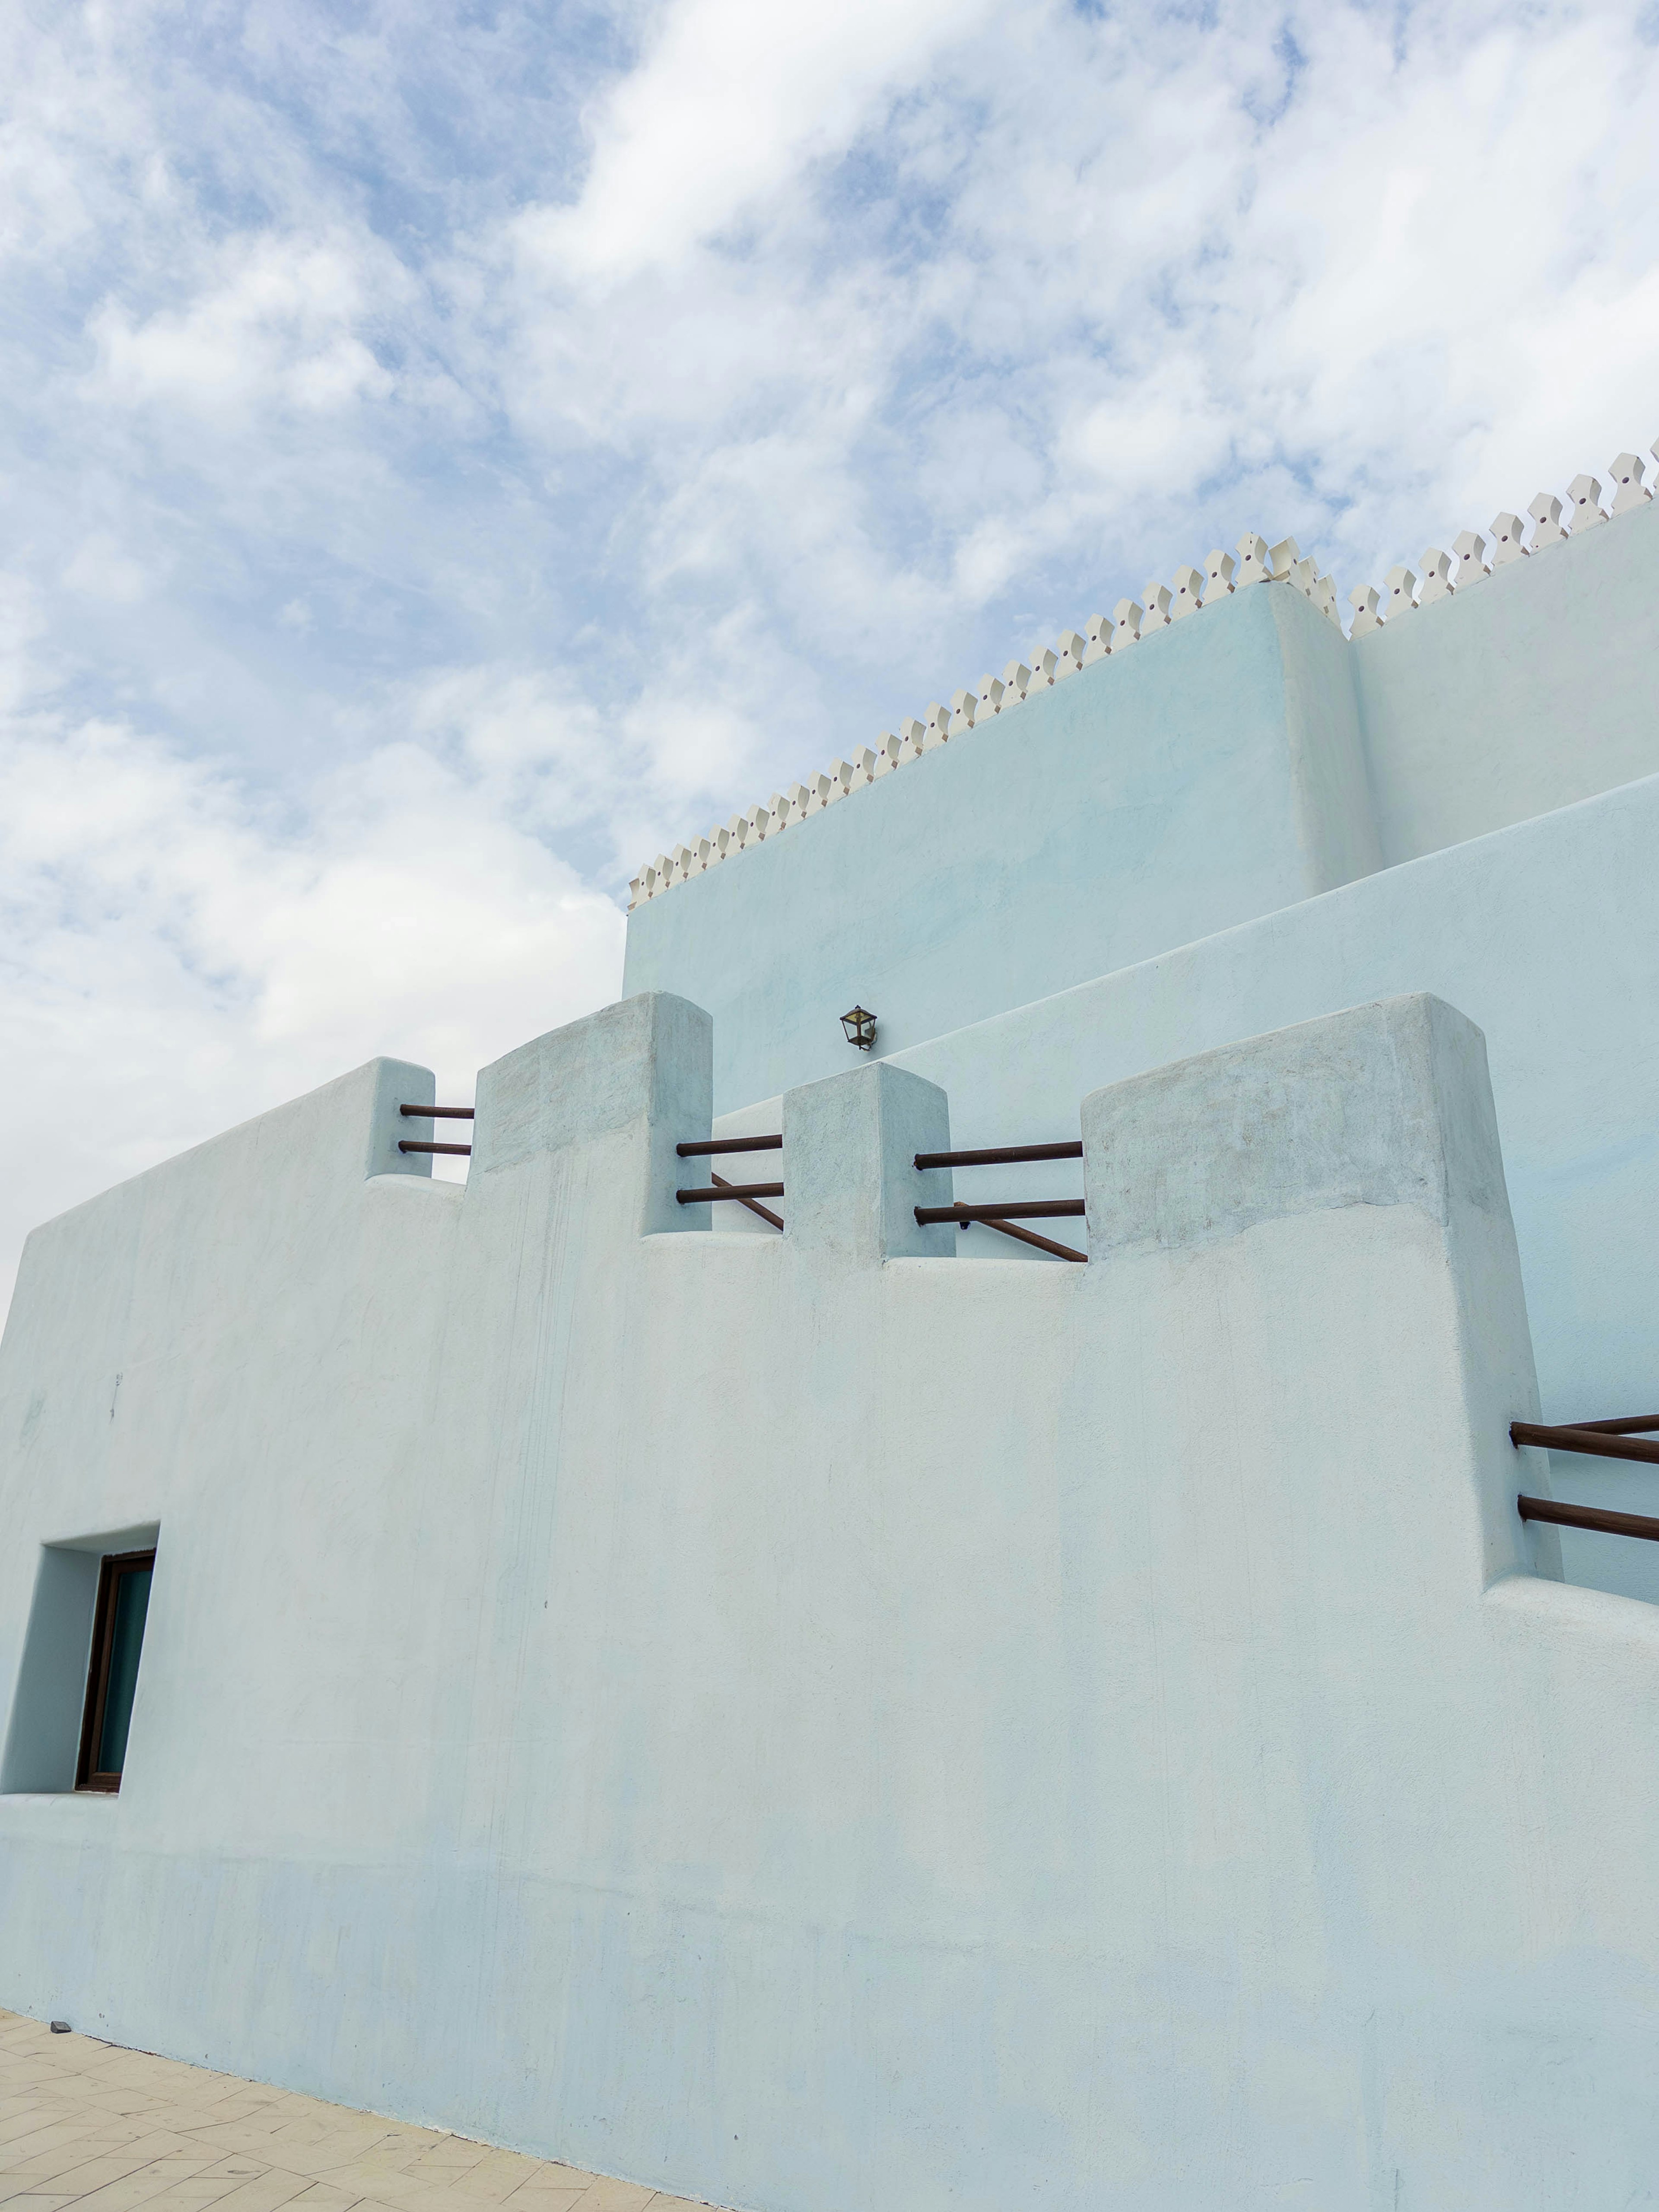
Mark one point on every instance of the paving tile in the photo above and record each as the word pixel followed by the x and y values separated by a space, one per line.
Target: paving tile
pixel 494 2177
pixel 43 2172
pixel 327 2160
pixel 200 2187
pixel 390 2187
pixel 89 2127
pixel 124 2195
pixel 93 2173
pixel 29 2122
pixel 268 2191
pixel 46 2137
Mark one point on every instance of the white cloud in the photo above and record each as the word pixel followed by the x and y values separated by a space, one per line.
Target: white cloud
pixel 103 570
pixel 446 462
pixel 274 320
pixel 728 102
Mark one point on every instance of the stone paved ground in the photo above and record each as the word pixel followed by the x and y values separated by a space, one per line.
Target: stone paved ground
pixel 85 2123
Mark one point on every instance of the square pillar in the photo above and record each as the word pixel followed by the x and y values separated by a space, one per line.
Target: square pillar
pixel 640 1070
pixel 1310 1138
pixel 850 1181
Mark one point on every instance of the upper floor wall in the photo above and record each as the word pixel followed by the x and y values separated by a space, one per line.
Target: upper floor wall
pixel 1527 691
pixel 1225 768
pixel 1213 775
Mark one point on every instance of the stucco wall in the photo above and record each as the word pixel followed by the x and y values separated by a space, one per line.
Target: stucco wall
pixel 1150 798
pixel 1547 935
pixel 1233 764
pixel 818 1730
pixel 1532 688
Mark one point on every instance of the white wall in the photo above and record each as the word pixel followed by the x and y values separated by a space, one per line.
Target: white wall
pixel 1547 935
pixel 1240 762
pixel 1530 691
pixel 812 1728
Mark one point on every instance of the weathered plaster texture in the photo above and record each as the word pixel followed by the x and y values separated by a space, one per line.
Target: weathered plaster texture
pixel 813 1730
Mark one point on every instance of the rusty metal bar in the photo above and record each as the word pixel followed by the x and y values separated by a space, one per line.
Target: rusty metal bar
pixel 1031 1236
pixel 1597 1443
pixel 1034 1209
pixel 753 1204
pixel 1001 1156
pixel 1589 1516
pixel 437 1113
pixel 409 1144
pixel 737 1190
pixel 729 1144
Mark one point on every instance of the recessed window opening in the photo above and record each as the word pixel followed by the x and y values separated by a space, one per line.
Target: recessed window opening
pixel 117 1638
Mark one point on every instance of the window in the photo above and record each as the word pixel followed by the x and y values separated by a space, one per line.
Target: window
pixel 118 1638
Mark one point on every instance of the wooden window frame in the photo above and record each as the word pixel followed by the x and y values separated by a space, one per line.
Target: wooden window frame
pixel 114 1566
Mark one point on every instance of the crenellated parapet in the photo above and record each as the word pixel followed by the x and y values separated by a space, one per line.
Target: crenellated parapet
pixel 1549 521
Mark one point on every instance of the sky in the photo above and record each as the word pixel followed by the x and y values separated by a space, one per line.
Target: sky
pixel 448 455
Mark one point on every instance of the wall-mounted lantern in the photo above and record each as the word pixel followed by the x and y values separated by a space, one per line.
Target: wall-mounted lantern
pixel 860 1028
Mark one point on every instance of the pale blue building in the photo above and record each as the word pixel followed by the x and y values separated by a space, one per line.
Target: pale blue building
pixel 815 1706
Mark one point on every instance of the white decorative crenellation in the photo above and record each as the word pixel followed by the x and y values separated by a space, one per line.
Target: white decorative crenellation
pixel 1437 574
pixel 1282 558
pixel 1547 525
pixel 1399 590
pixel 1365 605
pixel 1252 559
pixel 1585 492
pixel 1470 547
pixel 1507 532
pixel 1475 556
pixel 1627 475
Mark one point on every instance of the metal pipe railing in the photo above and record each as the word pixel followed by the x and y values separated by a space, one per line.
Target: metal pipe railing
pixel 729 1144
pixel 1024 1209
pixel 753 1204
pixel 1031 1236
pixel 1001 1156
pixel 1599 1439
pixel 1589 1517
pixel 740 1191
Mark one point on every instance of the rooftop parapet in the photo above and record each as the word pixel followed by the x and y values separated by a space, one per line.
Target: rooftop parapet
pixel 1475 556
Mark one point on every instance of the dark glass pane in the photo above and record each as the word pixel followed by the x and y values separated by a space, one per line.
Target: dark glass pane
pixel 126 1639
